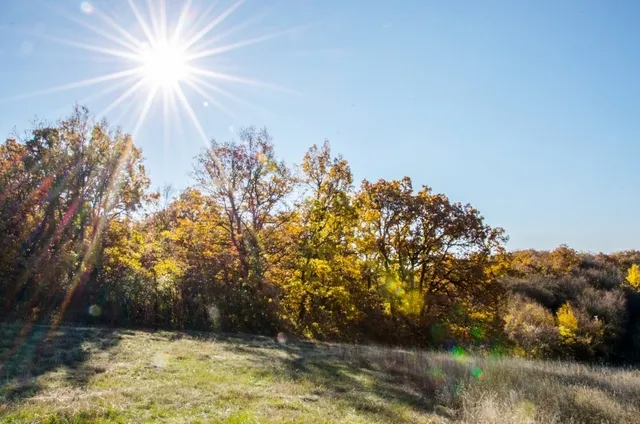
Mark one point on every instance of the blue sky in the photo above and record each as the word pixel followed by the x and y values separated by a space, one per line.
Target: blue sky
pixel 527 110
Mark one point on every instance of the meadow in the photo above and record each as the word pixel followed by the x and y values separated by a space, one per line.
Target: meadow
pixel 100 375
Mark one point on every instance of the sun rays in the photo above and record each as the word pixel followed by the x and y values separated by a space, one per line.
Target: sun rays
pixel 162 59
pixel 160 62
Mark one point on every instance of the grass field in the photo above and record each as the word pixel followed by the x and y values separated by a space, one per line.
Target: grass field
pixel 75 375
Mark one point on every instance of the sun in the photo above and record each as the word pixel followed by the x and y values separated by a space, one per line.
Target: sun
pixel 164 64
pixel 168 52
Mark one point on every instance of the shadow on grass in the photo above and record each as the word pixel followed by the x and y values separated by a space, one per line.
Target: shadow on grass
pixel 358 383
pixel 27 352
pixel 338 372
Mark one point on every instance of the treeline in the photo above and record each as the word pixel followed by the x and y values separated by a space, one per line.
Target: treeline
pixel 259 246
pixel 578 305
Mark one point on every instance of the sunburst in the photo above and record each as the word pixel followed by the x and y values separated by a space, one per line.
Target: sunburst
pixel 157 67
pixel 163 62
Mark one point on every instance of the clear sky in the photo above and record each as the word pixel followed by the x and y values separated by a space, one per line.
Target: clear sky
pixel 527 110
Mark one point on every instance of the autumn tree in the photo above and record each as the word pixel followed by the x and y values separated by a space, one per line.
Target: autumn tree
pixel 251 186
pixel 430 254
pixel 207 291
pixel 580 333
pixel 259 246
pixel 322 287
pixel 68 181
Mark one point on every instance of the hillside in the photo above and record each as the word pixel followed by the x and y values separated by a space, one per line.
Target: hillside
pixel 74 375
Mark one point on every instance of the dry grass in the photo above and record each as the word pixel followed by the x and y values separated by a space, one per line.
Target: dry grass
pixel 100 376
pixel 514 390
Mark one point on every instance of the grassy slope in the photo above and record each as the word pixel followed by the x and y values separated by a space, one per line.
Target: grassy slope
pixel 98 375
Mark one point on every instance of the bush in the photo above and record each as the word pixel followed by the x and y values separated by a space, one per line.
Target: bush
pixel 531 328
pixel 540 288
pixel 581 334
pixel 549 290
pixel 603 278
pixel 608 307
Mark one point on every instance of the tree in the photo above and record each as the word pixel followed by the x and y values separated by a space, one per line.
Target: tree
pixel 251 186
pixel 436 255
pixel 322 282
pixel 208 291
pixel 257 247
pixel 563 260
pixel 67 182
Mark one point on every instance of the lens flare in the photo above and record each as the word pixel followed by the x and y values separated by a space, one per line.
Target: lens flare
pixel 156 59
pixel 95 311
pixel 477 372
pixel 86 7
pixel 160 360
pixel 458 353
pixel 214 316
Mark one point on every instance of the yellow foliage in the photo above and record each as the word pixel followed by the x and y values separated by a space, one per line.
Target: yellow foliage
pixel 519 352
pixel 633 276
pixel 563 259
pixel 567 322
pixel 408 302
pixel 530 327
pixel 412 302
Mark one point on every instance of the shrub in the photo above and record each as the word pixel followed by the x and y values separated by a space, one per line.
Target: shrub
pixel 603 278
pixel 531 328
pixel 581 334
pixel 609 307
pixel 537 287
